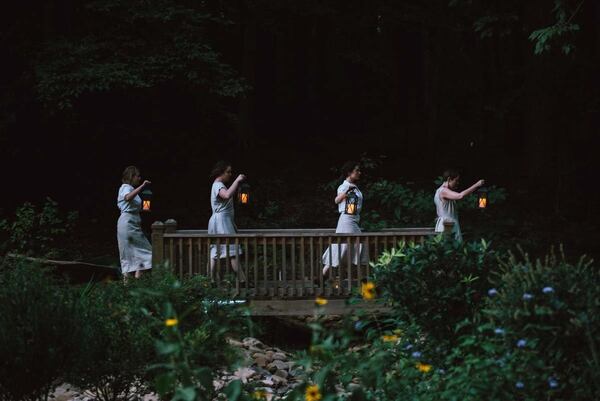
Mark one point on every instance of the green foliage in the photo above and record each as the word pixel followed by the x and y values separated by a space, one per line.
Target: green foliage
pixel 535 338
pixel 121 356
pixel 135 45
pixel 188 337
pixel 562 27
pixel 39 331
pixel 436 284
pixel 554 306
pixel 37 232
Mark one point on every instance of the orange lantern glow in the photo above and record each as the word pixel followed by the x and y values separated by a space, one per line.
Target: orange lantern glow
pixel 146 196
pixel 482 199
pixel 244 194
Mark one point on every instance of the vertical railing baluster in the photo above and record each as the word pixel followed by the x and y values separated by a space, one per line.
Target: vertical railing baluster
pixel 172 264
pixel 328 290
pixel 350 253
pixel 255 251
pixel 180 257
pixel 292 289
pixel 320 272
pixel 227 262
pixel 265 267
pixel 240 269
pixel 273 289
pixel 361 248
pixel 283 267
pixel 191 257
pixel 301 290
pixel 312 266
pixel 218 272
pixel 338 281
pixel 246 265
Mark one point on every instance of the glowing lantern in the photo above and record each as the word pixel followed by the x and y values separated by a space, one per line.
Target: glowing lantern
pixel 482 199
pixel 352 203
pixel 146 196
pixel 244 194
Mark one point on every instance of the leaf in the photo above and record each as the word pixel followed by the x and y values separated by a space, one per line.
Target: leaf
pixel 233 390
pixel 185 394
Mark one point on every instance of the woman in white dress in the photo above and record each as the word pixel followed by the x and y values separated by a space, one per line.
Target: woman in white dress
pixel 347 223
pixel 445 201
pixel 222 219
pixel 135 251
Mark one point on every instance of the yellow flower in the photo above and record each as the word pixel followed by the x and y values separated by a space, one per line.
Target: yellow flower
pixel 423 367
pixel 389 338
pixel 259 395
pixel 171 322
pixel 367 290
pixel 398 332
pixel 312 393
pixel 321 301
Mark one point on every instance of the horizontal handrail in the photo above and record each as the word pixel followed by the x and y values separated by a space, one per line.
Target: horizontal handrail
pixel 179 234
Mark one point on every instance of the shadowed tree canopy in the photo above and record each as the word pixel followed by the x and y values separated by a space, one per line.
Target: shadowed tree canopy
pixel 506 90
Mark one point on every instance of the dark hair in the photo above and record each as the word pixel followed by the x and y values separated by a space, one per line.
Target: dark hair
pixel 450 174
pixel 128 174
pixel 219 168
pixel 349 167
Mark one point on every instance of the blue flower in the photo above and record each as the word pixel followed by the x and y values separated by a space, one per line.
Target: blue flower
pixel 548 290
pixel 499 331
pixel 358 325
pixel 552 382
pixel 521 343
pixel 527 296
pixel 441 371
pixel 492 292
pixel 416 354
pixel 408 346
pixel 520 385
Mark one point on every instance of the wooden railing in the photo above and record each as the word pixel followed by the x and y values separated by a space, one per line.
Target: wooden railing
pixel 280 263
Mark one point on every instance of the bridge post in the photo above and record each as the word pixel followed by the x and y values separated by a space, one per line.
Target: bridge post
pixel 158 243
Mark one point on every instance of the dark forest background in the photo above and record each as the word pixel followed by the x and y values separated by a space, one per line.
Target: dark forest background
pixel 288 90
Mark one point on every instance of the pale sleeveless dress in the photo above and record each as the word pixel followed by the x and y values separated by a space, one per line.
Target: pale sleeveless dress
pixel 446 211
pixel 135 252
pixel 222 222
pixel 347 223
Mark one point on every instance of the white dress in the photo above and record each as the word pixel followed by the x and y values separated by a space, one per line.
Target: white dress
pixel 446 211
pixel 135 251
pixel 221 222
pixel 347 223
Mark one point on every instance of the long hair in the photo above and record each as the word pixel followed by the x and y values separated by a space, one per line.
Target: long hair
pixel 129 173
pixel 450 174
pixel 348 168
pixel 218 169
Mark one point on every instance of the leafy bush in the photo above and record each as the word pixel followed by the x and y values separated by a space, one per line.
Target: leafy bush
pixel 122 323
pixel 533 336
pixel 553 306
pixel 436 284
pixel 37 232
pixel 39 331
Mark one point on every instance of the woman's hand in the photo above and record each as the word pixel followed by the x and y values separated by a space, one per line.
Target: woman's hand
pixel 480 183
pixel 240 178
pixel 146 182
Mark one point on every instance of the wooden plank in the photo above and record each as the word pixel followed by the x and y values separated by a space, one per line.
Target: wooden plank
pixel 190 257
pixel 302 282
pixel 292 307
pixel 180 259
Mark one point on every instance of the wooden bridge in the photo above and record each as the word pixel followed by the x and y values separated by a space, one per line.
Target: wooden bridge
pixel 283 267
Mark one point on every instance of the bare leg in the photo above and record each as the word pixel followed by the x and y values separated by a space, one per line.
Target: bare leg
pixel 138 273
pixel 325 269
pixel 125 277
pixel 235 265
pixel 212 263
